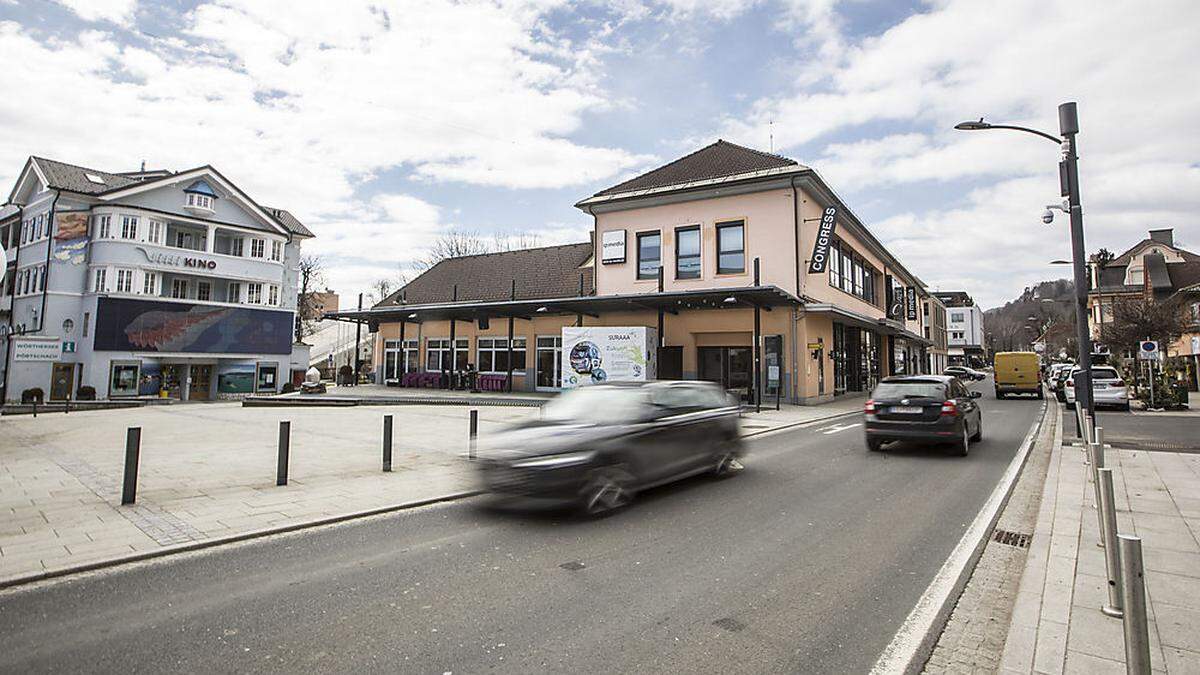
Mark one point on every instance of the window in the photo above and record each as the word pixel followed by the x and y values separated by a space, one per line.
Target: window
pixel 437 354
pixel 179 288
pixel 835 265
pixel 124 379
pixel 257 247
pixel 272 295
pixel 99 280
pixel 254 294
pixel 87 320
pixel 237 246
pixel 233 293
pixel 150 283
pixel 199 201
pixel 649 255
pixel 129 227
pixel 493 354
pixel 277 251
pixel 956 317
pixel 731 247
pixel 265 381
pixel 124 281
pixel 687 252
pixel 154 231
pixel 848 272
pixel 203 291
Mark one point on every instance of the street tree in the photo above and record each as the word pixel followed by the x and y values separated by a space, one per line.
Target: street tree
pixel 312 275
pixel 1137 319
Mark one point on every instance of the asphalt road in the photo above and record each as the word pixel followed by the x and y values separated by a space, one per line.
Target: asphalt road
pixel 808 561
pixel 1166 431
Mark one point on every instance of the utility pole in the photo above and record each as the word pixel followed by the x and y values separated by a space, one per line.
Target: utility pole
pixel 1068 126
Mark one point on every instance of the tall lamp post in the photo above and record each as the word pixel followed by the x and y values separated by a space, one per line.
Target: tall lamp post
pixel 1068 175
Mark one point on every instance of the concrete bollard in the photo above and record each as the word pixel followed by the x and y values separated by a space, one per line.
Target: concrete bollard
pixel 1137 630
pixel 285 442
pixel 473 434
pixel 133 450
pixel 387 442
pixel 1112 554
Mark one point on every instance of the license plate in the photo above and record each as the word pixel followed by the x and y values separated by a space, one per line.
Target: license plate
pixel 907 410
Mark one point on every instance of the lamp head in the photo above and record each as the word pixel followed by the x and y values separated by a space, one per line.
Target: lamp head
pixel 972 125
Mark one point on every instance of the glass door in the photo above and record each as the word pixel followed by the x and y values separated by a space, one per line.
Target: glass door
pixel 201 379
pixel 549 363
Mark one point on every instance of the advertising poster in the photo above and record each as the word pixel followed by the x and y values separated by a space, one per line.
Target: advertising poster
pixel 608 354
pixel 147 326
pixel 71 237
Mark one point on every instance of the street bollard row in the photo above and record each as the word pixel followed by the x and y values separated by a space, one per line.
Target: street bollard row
pixel 1123 566
pixel 133 448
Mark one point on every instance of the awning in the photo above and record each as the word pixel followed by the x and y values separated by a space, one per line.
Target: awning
pixel 881 325
pixel 671 302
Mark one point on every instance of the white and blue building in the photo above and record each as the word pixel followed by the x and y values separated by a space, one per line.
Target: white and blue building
pixel 146 284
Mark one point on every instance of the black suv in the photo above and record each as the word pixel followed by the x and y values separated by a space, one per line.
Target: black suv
pixel 936 408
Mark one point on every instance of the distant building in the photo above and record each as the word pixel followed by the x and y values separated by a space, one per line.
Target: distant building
pixel 146 284
pixel 964 327
pixel 318 303
pixel 937 334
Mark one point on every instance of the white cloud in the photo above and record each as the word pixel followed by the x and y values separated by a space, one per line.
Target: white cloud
pixel 1125 63
pixel 116 11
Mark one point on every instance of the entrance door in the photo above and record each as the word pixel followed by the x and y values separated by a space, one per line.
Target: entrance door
pixel 201 381
pixel 730 366
pixel 62 376
pixel 549 363
pixel 670 363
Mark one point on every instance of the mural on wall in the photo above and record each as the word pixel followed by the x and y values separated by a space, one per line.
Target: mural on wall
pixel 124 324
pixel 70 237
pixel 236 377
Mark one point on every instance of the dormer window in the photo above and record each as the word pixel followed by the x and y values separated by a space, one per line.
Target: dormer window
pixel 199 197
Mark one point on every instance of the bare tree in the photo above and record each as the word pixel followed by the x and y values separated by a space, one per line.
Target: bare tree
pixel 312 275
pixel 1136 319
pixel 452 244
pixel 515 242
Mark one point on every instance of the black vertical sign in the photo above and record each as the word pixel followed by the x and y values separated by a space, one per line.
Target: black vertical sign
pixel 911 293
pixel 819 260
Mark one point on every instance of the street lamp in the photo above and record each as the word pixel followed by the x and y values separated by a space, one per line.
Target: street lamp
pixel 1068 176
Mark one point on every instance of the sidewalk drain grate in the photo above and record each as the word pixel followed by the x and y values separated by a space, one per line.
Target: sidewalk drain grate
pixel 1018 539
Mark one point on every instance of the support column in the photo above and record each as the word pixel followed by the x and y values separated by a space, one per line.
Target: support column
pixel 662 339
pixel 185 381
pixel 403 365
pixel 512 295
pixel 757 374
pixel 357 340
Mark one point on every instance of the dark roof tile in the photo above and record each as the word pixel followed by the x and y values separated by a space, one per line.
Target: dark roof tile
pixel 74 178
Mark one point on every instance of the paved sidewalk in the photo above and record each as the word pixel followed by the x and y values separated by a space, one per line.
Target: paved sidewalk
pixel 1057 626
pixel 207 473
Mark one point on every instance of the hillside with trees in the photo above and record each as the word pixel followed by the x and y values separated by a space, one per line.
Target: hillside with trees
pixel 1046 307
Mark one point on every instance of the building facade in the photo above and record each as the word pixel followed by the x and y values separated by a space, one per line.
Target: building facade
pixel 935 331
pixel 964 329
pixel 750 270
pixel 148 284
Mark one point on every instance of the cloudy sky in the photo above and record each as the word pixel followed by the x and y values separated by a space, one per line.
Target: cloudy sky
pixel 383 124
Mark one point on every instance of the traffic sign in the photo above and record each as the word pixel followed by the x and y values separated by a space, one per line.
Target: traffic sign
pixel 1148 350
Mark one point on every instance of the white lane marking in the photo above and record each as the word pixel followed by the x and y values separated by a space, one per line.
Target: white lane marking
pixel 840 427
pixel 900 653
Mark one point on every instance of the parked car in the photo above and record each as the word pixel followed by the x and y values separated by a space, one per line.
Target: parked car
pixel 964 373
pixel 929 408
pixel 1018 373
pixel 1060 383
pixel 599 445
pixel 1053 374
pixel 1108 388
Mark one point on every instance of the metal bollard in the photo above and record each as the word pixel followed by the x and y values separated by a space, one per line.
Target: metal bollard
pixel 133 449
pixel 285 441
pixel 1097 453
pixel 1112 554
pixel 35 407
pixel 1137 632
pixel 387 442
pixel 473 434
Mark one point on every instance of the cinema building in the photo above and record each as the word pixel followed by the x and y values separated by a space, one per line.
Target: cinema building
pixel 715 254
pixel 146 284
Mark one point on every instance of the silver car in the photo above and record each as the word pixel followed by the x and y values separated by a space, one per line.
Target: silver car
pixel 1108 389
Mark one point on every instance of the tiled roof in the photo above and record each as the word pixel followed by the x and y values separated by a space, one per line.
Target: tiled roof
pixel 63 176
pixel 547 272
pixel 1127 256
pixel 289 221
pixel 1184 274
pixel 713 161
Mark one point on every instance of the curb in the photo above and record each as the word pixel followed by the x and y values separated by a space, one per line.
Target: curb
pixel 332 402
pixel 913 643
pixel 219 541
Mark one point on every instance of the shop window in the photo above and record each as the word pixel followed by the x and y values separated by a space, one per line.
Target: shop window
pixel 437 354
pixel 687 252
pixel 731 247
pixel 493 354
pixel 124 379
pixel 649 255
pixel 266 378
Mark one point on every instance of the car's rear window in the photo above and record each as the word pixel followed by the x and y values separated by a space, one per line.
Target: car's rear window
pixel 916 388
pixel 1105 374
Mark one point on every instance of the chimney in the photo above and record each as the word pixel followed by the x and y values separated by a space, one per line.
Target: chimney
pixel 1164 236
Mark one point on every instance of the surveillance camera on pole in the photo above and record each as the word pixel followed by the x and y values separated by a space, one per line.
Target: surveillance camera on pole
pixel 1048 214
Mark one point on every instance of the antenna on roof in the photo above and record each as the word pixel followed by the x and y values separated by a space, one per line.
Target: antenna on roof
pixel 771 136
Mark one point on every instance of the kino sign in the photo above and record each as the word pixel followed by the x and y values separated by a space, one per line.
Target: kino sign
pixel 820 255
pixel 178 260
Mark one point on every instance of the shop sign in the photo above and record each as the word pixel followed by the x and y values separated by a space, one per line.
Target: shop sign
pixel 911 293
pixel 612 247
pixel 819 259
pixel 160 258
pixel 28 349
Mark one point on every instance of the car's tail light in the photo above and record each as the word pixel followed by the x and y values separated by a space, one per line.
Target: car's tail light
pixel 1118 383
pixel 1070 383
pixel 869 408
pixel 950 408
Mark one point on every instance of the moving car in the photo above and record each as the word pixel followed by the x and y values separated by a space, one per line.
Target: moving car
pixel 1018 373
pixel 931 408
pixel 1108 389
pixel 964 373
pixel 600 444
